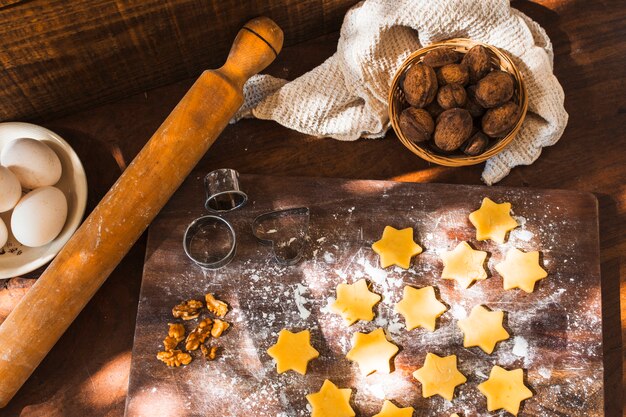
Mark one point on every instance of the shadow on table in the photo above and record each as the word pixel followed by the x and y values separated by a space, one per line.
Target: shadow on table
pixel 611 320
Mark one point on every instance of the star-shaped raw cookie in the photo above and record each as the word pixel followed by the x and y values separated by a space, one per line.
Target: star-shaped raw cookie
pixel 521 270
pixel 505 389
pixel 420 307
pixel 372 351
pixel 464 264
pixel 293 351
pixel 331 401
pixel 439 376
pixel 492 221
pixel 390 410
pixel 396 247
pixel 355 302
pixel 454 415
pixel 483 328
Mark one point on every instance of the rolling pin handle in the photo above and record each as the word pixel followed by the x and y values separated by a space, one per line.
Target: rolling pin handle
pixel 257 44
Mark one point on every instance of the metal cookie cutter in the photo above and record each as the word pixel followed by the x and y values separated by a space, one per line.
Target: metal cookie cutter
pixel 210 242
pixel 285 231
pixel 222 191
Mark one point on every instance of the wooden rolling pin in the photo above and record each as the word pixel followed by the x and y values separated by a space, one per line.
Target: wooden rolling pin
pixel 58 296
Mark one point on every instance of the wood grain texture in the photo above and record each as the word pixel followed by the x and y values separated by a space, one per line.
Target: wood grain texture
pixel 589 47
pixel 556 331
pixel 64 56
pixel 115 224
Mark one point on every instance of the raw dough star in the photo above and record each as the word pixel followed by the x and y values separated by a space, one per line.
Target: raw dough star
pixel 464 264
pixel 454 415
pixel 372 351
pixel 420 307
pixel 483 328
pixel 390 410
pixel 492 221
pixel 396 247
pixel 439 376
pixel 521 270
pixel 331 401
pixel 293 351
pixel 505 389
pixel 355 302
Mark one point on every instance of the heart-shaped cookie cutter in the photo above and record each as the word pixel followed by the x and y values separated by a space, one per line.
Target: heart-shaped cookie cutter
pixel 290 249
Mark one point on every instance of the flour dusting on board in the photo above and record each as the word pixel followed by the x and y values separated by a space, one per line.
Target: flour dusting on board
pixel 554 331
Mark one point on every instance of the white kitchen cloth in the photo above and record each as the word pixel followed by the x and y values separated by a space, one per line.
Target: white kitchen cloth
pixel 346 96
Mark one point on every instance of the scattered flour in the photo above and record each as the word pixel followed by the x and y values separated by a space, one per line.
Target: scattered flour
pixel 376 390
pixel 298 295
pixel 458 312
pixel 525 235
pixel 545 372
pixel 520 348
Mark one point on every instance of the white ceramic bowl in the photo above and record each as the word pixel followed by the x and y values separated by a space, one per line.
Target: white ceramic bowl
pixel 16 259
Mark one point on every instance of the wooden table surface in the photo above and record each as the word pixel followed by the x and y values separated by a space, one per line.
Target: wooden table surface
pixel 87 371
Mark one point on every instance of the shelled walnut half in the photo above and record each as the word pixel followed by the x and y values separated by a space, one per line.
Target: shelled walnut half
pixel 209 353
pixel 174 357
pixel 219 327
pixel 215 306
pixel 187 310
pixel 199 334
pixel 175 335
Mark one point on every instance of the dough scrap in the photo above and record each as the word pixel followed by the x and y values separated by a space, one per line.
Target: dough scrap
pixel 483 328
pixel 464 265
pixel 355 302
pixel 293 351
pixel 420 307
pixel 505 389
pixel 396 247
pixel 439 376
pixel 372 351
pixel 521 270
pixel 493 221
pixel 331 401
pixel 391 410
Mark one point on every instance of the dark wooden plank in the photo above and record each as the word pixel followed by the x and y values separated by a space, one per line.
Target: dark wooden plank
pixel 590 62
pixel 556 331
pixel 64 56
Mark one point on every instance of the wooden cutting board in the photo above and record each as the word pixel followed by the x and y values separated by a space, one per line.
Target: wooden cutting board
pixel 556 331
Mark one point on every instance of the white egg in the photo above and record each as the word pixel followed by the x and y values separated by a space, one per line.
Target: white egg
pixel 39 216
pixel 32 161
pixel 4 233
pixel 10 190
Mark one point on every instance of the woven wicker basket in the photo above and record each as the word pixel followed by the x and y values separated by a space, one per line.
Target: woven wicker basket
pixel 397 103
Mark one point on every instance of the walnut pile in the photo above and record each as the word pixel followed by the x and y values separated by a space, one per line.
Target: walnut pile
pixel 214 327
pixel 459 102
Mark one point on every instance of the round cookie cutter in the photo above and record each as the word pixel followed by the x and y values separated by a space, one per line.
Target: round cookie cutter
pixel 223 192
pixel 210 242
